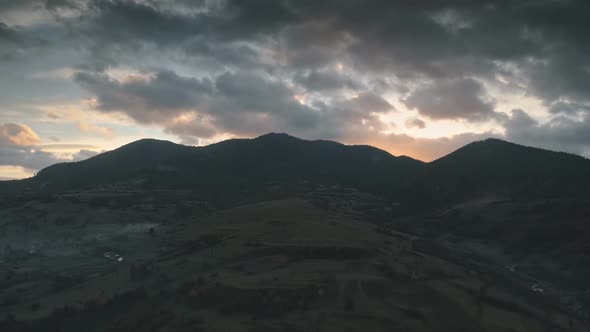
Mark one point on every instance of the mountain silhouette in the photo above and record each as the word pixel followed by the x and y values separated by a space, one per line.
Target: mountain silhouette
pixel 497 167
pixel 488 167
pixel 232 227
pixel 233 164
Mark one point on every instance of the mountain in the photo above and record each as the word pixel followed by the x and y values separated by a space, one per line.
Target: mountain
pixel 490 167
pixel 234 165
pixel 499 168
pixel 277 233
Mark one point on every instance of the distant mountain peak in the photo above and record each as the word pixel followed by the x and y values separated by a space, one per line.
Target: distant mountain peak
pixel 494 147
pixel 276 136
pixel 494 140
pixel 497 142
pixel 148 142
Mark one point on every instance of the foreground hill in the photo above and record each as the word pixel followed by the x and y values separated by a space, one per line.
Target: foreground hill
pixel 282 265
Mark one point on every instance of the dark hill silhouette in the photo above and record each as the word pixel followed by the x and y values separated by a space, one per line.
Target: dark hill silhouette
pixel 489 167
pixel 128 163
pixel 235 163
pixel 497 167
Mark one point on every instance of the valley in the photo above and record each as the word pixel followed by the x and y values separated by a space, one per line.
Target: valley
pixel 129 261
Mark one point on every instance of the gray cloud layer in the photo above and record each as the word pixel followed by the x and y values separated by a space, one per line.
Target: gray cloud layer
pixel 248 60
pixel 454 99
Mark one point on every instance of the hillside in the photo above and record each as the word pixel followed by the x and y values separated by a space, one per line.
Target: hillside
pixel 237 164
pixel 133 264
pixel 287 164
pixel 277 233
pixel 493 167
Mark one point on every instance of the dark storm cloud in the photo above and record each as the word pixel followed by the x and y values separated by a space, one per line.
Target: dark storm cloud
pixel 435 38
pixel 249 103
pixel 452 99
pixel 130 22
pixel 240 102
pixel 146 100
pixel 313 43
pixel 564 107
pixel 562 76
pixel 17 4
pixel 326 80
pixel 252 92
pixel 447 39
pixel 560 133
pixel 243 103
pixel 561 69
pixel 14 42
pixel 370 102
pixel 438 39
pixel 255 56
pixel 311 34
pixel 9 35
pixel 415 123
pixel 223 55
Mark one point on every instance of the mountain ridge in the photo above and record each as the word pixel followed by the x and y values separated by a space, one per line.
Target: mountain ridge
pixel 274 135
pixel 269 157
pixel 485 167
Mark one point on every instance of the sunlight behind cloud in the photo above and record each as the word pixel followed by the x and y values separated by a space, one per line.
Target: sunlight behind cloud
pixel 14 172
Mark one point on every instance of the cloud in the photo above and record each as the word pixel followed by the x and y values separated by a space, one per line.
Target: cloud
pixel 370 102
pixel 415 123
pixel 452 99
pixel 61 147
pixel 28 158
pixel 313 43
pixel 18 135
pixel 243 103
pixel 147 101
pixel 215 68
pixel 17 147
pixel 191 125
pixel 105 132
pixel 20 149
pixel 571 108
pixel 55 74
pixel 326 80
pixel 560 133
pixel 239 102
pixel 84 154
pixel 12 42
pixel 380 35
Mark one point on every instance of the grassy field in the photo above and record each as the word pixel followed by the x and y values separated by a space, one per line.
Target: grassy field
pixel 169 262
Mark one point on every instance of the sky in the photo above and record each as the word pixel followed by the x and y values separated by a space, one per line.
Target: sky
pixel 417 78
